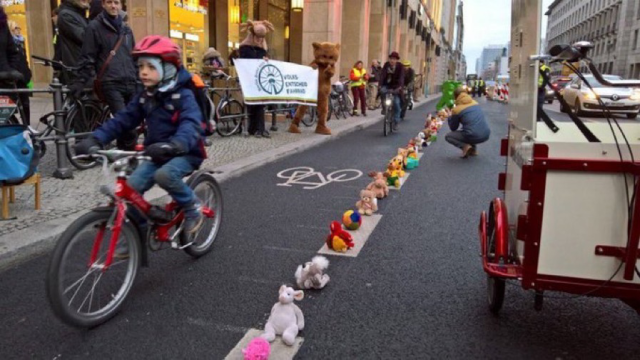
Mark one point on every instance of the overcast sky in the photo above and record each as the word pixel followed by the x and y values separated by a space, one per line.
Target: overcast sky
pixel 488 22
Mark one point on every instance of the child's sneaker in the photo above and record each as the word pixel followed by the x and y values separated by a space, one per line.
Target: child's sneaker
pixel 193 218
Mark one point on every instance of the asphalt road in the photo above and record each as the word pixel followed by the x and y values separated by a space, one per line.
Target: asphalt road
pixel 416 290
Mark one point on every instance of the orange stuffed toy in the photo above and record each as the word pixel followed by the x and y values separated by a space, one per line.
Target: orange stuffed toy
pixel 325 54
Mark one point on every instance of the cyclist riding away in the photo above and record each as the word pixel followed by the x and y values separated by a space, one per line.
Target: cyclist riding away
pixel 174 139
pixel 409 81
pixel 392 80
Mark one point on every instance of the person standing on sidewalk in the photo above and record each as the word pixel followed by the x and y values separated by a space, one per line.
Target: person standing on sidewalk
pixel 255 46
pixel 391 81
pixel 72 24
pixel 115 72
pixel 475 129
pixel 372 84
pixel 358 77
pixel 22 65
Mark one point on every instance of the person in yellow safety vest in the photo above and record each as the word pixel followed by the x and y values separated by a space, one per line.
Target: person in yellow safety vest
pixel 541 88
pixel 481 87
pixel 359 77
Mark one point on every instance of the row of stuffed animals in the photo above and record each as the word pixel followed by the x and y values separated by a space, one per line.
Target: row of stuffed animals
pixel 406 159
pixel 286 319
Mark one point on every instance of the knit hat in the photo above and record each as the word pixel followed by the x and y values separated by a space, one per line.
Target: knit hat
pixel 156 63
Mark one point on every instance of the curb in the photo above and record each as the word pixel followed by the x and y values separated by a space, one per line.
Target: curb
pixel 22 245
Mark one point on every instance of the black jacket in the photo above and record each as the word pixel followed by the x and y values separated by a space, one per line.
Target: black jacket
pixel 374 74
pixel 22 65
pixel 409 77
pixel 8 50
pixel 71 27
pixel 99 39
pixel 392 80
pixel 252 52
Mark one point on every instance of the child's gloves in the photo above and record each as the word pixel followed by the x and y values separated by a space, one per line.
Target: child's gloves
pixel 162 152
pixel 88 146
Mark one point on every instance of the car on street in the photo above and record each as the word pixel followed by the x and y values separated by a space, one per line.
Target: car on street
pixel 582 99
pixel 558 83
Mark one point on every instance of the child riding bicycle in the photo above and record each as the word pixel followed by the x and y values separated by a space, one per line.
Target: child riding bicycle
pixel 174 139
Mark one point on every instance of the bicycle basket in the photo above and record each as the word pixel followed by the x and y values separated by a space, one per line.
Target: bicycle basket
pixel 337 87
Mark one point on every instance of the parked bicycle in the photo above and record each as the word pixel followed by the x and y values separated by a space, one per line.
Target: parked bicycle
pixel 337 105
pixel 82 116
pixel 229 112
pixel 88 279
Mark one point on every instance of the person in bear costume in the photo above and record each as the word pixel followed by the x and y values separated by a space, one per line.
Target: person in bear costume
pixel 326 54
pixel 254 46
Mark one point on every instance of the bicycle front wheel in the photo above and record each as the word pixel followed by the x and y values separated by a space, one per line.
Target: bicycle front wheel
pixel 310 116
pixel 228 119
pixel 82 122
pixel 85 293
pixel 208 191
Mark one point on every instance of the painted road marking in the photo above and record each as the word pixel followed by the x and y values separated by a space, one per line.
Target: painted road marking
pixel 403 180
pixel 360 237
pixel 311 179
pixel 279 351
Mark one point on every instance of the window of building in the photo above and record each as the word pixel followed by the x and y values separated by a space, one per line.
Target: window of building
pixel 634 45
pixel 636 71
pixel 638 12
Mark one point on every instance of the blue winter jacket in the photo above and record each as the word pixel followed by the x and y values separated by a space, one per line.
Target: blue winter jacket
pixel 173 116
pixel 468 113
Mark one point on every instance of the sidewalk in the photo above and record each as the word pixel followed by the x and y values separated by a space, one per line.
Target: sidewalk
pixel 62 201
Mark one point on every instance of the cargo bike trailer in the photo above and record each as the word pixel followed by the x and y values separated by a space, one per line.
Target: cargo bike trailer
pixel 569 220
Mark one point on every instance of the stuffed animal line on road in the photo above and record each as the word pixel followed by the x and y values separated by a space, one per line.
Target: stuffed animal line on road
pixel 312 275
pixel 286 318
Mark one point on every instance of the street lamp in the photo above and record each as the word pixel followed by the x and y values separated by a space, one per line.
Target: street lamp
pixel 297 5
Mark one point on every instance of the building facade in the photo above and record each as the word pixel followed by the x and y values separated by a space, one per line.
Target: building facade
pixel 611 25
pixel 461 71
pixel 486 63
pixel 420 30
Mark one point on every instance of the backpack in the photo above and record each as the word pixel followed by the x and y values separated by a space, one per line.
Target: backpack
pixel 199 90
pixel 18 156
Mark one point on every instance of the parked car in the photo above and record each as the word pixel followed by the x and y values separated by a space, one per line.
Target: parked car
pixel 618 100
pixel 558 83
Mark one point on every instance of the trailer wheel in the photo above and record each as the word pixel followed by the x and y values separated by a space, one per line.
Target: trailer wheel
pixel 495 293
pixel 495 285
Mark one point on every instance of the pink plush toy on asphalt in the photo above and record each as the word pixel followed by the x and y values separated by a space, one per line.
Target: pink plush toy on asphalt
pixel 258 349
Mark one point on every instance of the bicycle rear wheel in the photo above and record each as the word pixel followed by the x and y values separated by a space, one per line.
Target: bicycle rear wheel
pixel 84 294
pixel 82 123
pixel 229 126
pixel 209 193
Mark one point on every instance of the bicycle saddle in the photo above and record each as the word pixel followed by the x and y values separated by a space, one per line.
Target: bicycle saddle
pixel 11 75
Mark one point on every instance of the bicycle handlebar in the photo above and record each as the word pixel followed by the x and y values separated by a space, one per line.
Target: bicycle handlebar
pixel 51 62
pixel 577 52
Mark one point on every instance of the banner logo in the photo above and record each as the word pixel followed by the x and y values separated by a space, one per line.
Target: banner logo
pixel 270 80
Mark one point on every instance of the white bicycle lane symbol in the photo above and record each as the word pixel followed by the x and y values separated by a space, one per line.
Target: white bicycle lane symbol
pixel 304 175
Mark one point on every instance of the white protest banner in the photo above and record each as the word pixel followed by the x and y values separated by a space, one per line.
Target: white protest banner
pixel 277 82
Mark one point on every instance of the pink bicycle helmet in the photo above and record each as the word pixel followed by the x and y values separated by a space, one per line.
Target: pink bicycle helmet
pixel 159 46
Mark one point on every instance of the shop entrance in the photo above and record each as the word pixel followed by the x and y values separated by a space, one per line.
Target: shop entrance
pixel 188 21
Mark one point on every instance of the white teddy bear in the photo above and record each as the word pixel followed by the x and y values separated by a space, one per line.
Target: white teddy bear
pixel 286 318
pixel 311 275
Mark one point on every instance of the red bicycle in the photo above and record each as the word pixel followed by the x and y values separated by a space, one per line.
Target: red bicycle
pixel 96 259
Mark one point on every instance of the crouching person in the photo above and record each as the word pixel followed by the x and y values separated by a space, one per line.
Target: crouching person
pixel 475 130
pixel 174 138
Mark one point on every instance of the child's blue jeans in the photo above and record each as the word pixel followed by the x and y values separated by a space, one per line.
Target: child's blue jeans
pixel 168 176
